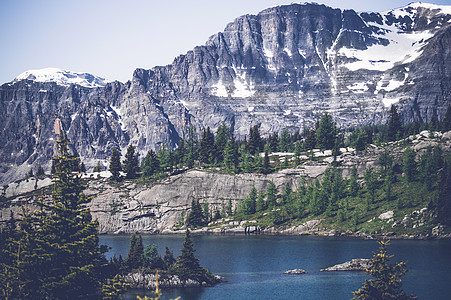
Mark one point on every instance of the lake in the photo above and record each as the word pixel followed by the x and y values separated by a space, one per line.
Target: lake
pixel 253 265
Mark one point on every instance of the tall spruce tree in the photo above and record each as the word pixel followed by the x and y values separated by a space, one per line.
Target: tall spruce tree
pixel 255 142
pixel 115 164
pixel 271 194
pixel 187 265
pixel 326 133
pixel 394 129
pixel 195 217
pixel 409 164
pixel 56 249
pixel 135 258
pixel 131 163
pixel 386 282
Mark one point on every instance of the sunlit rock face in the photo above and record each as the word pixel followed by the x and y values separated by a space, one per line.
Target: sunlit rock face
pixel 282 68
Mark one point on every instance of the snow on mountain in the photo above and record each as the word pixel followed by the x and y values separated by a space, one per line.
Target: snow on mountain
pixel 62 77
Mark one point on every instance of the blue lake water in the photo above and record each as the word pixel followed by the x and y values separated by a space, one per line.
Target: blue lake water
pixel 253 265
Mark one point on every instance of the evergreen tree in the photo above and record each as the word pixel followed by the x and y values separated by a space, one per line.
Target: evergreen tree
pixel 187 265
pixel 135 258
pixel 310 139
pixel 164 159
pixel 195 216
pixel 231 155
pixel 297 153
pixel 56 250
pixel 150 164
pixel 255 141
pixel 207 147
pixel 266 166
pixel 151 257
pixel 370 181
pixel 131 163
pixel 222 136
pixel 168 258
pixel 326 134
pixel 249 203
pixel 181 152
pixel 286 195
pixel 271 194
pixel 206 212
pixel 284 141
pixel 385 160
pixel 394 124
pixel 387 281
pixel 443 202
pixel 273 141
pixel 260 203
pixel 40 171
pixel 82 167
pixel 409 164
pixel 353 184
pixel 115 164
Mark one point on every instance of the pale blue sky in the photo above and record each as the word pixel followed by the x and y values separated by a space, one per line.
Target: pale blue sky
pixel 111 38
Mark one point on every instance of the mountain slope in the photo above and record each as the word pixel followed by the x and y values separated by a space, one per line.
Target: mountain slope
pixel 282 68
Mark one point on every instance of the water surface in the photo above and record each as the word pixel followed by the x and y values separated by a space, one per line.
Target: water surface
pixel 253 265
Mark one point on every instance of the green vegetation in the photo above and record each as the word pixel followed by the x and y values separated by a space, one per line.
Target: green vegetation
pixel 387 281
pixel 53 252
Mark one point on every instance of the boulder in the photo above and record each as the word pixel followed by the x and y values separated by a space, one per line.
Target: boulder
pixel 295 272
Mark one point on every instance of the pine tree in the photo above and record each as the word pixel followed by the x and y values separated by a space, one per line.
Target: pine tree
pixel 207 147
pixel 231 155
pixel 187 265
pixel 394 124
pixel 222 136
pixel 284 141
pixel 168 258
pixel 326 134
pixel 115 164
pixel 353 184
pixel 195 217
pixel 387 281
pixel 255 141
pixel 98 168
pixel 271 194
pixel 40 171
pixel 260 203
pixel 131 164
pixel 371 181
pixel 409 164
pixel 249 202
pixel 443 202
pixel 150 164
pixel 446 123
pixel 266 166
pixel 135 258
pixel 57 251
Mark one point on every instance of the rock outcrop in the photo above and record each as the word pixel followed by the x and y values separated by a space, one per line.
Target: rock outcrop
pixel 295 272
pixel 358 264
pixel 141 280
pixel 281 68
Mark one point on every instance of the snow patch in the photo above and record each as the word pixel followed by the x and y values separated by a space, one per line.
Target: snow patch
pixel 287 51
pixel 250 109
pixel 218 89
pixel 402 48
pixel 389 101
pixel 62 77
pixel 268 53
pixel 118 112
pixel 358 87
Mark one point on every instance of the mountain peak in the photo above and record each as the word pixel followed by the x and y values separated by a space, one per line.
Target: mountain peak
pixel 62 77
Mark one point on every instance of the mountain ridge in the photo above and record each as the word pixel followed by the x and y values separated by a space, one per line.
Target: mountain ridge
pixel 282 68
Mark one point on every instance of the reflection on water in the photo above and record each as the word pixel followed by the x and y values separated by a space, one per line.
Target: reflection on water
pixel 253 265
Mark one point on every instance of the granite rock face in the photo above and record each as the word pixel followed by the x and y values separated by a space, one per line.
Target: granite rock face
pixel 282 68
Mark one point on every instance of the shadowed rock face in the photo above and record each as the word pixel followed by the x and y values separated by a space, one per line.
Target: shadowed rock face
pixel 282 68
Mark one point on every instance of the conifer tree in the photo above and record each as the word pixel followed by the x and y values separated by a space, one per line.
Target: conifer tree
pixel 135 258
pixel 266 166
pixel 394 124
pixel 207 147
pixel 249 202
pixel 150 164
pixel 231 155
pixel 271 194
pixel 195 216
pixel 387 281
pixel 353 184
pixel 446 123
pixel 260 204
pixel 131 164
pixel 255 142
pixel 115 164
pixel 326 134
pixel 57 251
pixel 40 171
pixel 409 164
pixel 187 265
pixel 222 136
pixel 284 141
pixel 168 258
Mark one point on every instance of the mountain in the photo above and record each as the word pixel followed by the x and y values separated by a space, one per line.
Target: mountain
pixel 281 68
pixel 63 78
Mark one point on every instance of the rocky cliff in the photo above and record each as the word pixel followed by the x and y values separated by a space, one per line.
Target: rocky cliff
pixel 282 68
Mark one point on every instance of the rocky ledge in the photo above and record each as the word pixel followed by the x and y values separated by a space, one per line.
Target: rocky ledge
pixel 295 272
pixel 142 280
pixel 358 264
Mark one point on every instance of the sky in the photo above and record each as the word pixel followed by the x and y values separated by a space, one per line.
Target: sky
pixel 111 38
